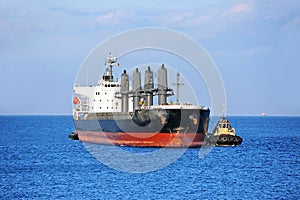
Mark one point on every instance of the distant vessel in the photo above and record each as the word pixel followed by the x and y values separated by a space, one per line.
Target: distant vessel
pixel 114 112
pixel 224 134
pixel 264 114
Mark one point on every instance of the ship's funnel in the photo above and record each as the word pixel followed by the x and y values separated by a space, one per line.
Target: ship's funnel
pixel 136 88
pixel 124 91
pixel 148 88
pixel 162 85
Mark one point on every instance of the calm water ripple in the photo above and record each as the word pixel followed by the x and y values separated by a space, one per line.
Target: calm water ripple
pixel 37 161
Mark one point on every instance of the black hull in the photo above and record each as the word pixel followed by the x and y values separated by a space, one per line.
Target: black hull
pixel 147 121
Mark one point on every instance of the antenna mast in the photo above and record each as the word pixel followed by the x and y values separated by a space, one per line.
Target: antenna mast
pixel 177 85
pixel 224 109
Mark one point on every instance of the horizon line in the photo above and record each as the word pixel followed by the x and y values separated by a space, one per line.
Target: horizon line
pixel 242 115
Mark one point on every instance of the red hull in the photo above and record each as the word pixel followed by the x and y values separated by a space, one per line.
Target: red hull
pixel 143 139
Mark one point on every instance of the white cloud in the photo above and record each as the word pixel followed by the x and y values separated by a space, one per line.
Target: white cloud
pixel 246 52
pixel 238 9
pixel 294 24
pixel 207 21
pixel 111 18
pixel 179 17
pixel 174 19
pixel 187 19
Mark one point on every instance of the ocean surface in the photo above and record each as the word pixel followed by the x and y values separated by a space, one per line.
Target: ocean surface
pixel 38 161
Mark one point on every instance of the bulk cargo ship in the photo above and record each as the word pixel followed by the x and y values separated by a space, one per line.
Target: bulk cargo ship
pixel 117 113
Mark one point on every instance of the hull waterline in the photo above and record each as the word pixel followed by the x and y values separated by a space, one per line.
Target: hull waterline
pixel 143 139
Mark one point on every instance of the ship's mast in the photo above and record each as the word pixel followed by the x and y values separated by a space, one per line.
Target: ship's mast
pixel 224 109
pixel 177 84
pixel 110 60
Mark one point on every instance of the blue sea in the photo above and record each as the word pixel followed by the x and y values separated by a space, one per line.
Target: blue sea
pixel 38 161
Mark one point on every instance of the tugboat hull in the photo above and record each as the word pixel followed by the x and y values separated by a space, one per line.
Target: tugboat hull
pixel 225 140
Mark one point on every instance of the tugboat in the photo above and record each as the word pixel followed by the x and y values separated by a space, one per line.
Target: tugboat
pixel 73 136
pixel 224 134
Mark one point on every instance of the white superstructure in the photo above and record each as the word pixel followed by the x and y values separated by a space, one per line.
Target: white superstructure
pixel 100 98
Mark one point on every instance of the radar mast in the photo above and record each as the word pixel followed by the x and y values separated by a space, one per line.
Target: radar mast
pixel 110 60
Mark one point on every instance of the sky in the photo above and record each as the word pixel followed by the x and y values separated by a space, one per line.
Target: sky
pixel 254 44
